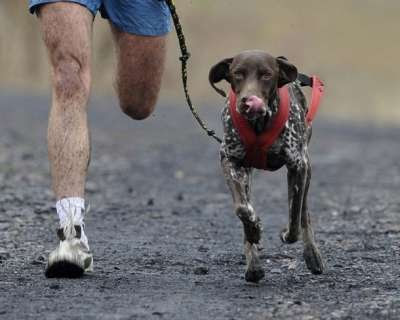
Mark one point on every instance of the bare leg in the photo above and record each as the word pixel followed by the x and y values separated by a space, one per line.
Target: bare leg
pixel 238 180
pixel 311 253
pixel 67 29
pixel 140 68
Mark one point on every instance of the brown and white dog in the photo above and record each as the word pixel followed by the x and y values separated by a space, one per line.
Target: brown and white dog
pixel 256 79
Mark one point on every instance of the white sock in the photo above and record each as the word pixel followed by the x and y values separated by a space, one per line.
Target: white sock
pixel 68 207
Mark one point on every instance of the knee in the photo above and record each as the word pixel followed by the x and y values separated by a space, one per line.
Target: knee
pixel 71 78
pixel 245 212
pixel 137 110
pixel 137 99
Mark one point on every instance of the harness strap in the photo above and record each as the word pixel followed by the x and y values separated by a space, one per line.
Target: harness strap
pixel 246 132
pixel 316 95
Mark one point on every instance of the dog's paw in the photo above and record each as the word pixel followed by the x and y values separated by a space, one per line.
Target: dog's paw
pixel 288 238
pixel 254 275
pixel 313 259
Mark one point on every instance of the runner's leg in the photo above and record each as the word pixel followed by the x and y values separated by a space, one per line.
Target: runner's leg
pixel 140 68
pixel 67 31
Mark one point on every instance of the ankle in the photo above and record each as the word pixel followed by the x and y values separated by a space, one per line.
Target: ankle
pixel 71 209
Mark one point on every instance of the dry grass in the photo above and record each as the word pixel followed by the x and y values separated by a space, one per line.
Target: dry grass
pixel 351 44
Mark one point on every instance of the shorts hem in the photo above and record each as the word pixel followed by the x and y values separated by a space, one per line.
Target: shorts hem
pixel 146 33
pixel 36 4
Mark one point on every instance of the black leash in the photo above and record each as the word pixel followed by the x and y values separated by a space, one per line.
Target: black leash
pixel 184 58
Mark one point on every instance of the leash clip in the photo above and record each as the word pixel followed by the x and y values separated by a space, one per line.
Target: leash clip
pixel 185 57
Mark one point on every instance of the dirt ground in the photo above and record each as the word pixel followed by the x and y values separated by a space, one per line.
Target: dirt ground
pixel 166 242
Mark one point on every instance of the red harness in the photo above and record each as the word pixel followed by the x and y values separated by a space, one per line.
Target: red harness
pixel 257 145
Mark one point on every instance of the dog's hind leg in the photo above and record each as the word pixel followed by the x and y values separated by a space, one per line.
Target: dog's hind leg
pixel 238 180
pixel 311 253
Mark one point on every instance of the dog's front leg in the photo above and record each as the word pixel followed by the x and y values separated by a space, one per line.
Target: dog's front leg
pixel 238 180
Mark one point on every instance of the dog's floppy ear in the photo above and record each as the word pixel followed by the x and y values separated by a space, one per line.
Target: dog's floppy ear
pixel 287 71
pixel 220 72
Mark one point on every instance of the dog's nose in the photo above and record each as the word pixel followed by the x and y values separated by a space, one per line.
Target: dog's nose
pixel 253 103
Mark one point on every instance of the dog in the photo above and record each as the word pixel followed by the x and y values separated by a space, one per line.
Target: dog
pixel 256 79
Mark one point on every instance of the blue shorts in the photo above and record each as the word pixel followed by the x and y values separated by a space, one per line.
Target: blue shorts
pixel 140 17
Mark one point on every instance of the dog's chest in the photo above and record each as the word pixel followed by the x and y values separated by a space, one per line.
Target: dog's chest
pixel 287 149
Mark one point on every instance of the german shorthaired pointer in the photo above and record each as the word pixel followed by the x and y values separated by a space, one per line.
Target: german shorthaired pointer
pixel 256 80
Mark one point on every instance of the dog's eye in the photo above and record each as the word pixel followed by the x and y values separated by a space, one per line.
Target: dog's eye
pixel 238 76
pixel 266 76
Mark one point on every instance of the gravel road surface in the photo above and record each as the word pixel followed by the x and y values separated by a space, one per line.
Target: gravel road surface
pixel 165 240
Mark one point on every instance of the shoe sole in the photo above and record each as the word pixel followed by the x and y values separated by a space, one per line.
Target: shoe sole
pixel 68 262
pixel 64 269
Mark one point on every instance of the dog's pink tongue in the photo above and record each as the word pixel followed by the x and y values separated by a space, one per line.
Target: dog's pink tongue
pixel 254 103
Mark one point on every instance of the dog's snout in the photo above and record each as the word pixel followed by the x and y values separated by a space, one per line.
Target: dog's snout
pixel 253 103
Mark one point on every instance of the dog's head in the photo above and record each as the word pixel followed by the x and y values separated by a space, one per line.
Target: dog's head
pixel 255 77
